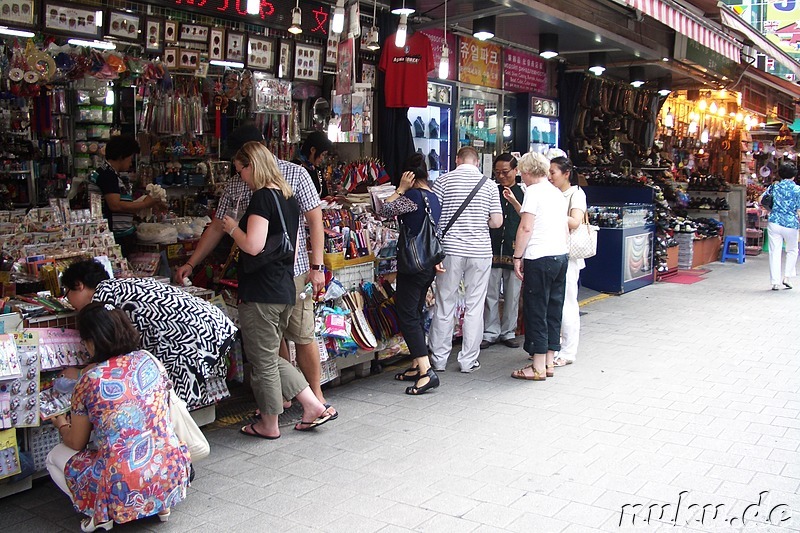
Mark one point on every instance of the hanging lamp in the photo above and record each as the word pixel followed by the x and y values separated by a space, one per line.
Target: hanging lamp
pixel 297 20
pixel 597 63
pixel 337 24
pixel 548 45
pixel 403 7
pixel 444 61
pixel 483 28
pixel 636 76
pixel 373 40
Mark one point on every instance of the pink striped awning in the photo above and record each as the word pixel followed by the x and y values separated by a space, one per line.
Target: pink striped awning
pixel 688 26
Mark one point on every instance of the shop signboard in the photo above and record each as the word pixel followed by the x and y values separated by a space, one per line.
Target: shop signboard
pixel 479 62
pixel 274 13
pixel 691 51
pixel 524 72
pixel 781 25
pixel 437 42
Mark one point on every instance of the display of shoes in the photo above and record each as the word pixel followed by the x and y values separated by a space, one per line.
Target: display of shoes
pixel 433 160
pixel 419 127
pixel 433 129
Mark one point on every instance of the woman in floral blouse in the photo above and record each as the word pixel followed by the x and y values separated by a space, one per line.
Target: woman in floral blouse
pixel 783 226
pixel 136 467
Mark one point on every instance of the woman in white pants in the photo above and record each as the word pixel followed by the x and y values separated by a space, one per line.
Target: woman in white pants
pixel 560 173
pixel 783 226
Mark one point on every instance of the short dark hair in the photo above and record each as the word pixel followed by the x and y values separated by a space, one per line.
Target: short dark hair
pixel 121 146
pixel 787 171
pixel 109 329
pixel 89 272
pixel 317 140
pixel 505 157
pixel 468 152
pixel 245 133
pixel 416 164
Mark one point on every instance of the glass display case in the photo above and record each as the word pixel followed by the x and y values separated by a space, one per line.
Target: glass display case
pixel 478 123
pixel 544 124
pixel 624 259
pixel 431 127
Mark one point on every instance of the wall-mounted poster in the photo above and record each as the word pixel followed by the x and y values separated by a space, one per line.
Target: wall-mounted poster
pixel 170 31
pixel 153 41
pixel 479 62
pixel 261 53
pixel 189 59
pixel 194 32
pixel 307 62
pixel 123 25
pixel 72 20
pixel 346 65
pixel 171 57
pixel 17 11
pixel 234 50
pixel 216 42
pixel 284 64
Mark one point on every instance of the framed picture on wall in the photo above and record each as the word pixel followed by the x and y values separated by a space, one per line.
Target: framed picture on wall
pixel 123 25
pixel 153 39
pixel 170 31
pixel 216 44
pixel 194 32
pixel 261 53
pixel 189 59
pixel 171 57
pixel 284 65
pixel 308 61
pixel 18 11
pixel 72 20
pixel 234 49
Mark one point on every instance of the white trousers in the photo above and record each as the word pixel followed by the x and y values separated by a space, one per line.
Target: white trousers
pixel 496 328
pixel 56 462
pixel 777 235
pixel 475 274
pixel 571 314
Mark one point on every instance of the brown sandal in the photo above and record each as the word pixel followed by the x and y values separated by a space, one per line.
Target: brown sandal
pixel 549 371
pixel 520 374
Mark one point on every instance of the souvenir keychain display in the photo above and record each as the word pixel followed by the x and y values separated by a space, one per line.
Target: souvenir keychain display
pixel 24 391
pixel 61 347
pixel 9 360
pixel 9 454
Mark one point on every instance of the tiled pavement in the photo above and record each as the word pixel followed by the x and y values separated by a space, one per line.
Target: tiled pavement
pixel 677 388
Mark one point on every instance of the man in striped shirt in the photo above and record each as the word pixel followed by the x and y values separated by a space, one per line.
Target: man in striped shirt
pixel 468 250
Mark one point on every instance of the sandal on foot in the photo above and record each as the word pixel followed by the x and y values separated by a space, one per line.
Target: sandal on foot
pixel 520 374
pixel 164 515
pixel 254 433
pixel 433 382
pixel 308 426
pixel 558 361
pixel 549 371
pixel 88 525
pixel 409 374
pixel 787 284
pixel 334 414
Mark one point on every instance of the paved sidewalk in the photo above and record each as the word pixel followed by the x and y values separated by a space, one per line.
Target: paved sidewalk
pixel 677 388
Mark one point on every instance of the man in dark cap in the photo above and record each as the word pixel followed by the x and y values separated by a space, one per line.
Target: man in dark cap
pixel 311 156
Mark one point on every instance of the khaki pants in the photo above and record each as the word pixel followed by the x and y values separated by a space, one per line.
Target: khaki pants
pixel 273 377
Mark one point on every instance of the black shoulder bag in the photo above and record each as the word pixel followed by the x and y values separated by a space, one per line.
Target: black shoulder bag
pixel 767 200
pixel 424 250
pixel 277 248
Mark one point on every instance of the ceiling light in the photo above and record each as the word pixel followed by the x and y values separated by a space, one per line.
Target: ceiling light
pixel 93 44
pixel 98 18
pixel 253 7
pixel 704 136
pixel 664 86
pixel 402 7
pixel 597 63
pixel 548 45
pixel 297 19
pixel 636 75
pixel 337 25
pixel 373 40
pixel 230 64
pixel 483 28
pixel 15 33
pixel 402 31
pixel 665 59
pixel 444 62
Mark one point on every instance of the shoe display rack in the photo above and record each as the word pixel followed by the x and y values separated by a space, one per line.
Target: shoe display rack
pixel 431 129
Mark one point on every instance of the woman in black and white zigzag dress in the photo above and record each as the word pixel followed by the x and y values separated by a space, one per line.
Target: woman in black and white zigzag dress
pixel 189 335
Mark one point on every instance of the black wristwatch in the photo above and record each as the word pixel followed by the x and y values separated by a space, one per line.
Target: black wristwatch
pixel 318 267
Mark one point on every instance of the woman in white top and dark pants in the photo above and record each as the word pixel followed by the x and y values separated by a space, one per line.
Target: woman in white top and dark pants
pixel 540 261
pixel 560 174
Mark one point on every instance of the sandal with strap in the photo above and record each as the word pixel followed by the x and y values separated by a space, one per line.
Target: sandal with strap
pixel 549 371
pixel 520 374
pixel 409 374
pixel 433 382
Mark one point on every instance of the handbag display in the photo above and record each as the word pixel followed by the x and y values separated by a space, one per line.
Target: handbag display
pixel 277 248
pixel 424 250
pixel 183 424
pixel 583 239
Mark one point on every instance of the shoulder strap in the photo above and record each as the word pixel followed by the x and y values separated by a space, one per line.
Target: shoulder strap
pixel 280 211
pixel 464 205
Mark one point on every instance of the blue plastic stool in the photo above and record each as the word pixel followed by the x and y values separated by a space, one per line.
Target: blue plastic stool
pixel 738 242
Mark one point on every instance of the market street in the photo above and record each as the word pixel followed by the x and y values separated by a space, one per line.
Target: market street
pixel 681 393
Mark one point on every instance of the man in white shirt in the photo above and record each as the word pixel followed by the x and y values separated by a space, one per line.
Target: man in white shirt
pixel 468 250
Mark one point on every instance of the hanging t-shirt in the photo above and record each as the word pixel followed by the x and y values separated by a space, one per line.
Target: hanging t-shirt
pixel 407 70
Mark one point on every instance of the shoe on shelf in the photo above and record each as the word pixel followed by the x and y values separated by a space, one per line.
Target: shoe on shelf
pixel 485 344
pixel 475 366
pixel 419 128
pixel 511 343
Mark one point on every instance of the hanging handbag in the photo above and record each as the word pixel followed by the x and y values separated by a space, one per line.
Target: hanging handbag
pixel 424 250
pixel 767 201
pixel 183 424
pixel 278 246
pixel 583 239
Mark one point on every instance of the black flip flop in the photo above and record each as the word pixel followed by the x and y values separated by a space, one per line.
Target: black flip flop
pixel 314 424
pixel 335 414
pixel 255 433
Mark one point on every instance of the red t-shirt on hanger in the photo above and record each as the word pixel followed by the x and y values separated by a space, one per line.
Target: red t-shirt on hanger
pixel 407 70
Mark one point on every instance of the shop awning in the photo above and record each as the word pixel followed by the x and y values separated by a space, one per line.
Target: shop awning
pixel 689 25
pixel 733 21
